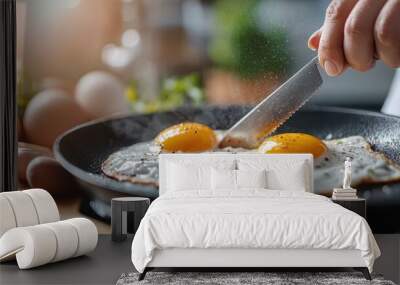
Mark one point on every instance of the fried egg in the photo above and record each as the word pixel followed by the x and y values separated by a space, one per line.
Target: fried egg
pixel 187 137
pixel 139 163
pixel 293 143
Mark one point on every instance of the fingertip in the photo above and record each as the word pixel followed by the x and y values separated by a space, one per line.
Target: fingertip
pixel 313 41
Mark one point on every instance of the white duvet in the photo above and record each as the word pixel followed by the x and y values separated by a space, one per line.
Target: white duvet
pixel 250 219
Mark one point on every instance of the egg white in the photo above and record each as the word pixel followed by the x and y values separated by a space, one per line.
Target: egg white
pixel 368 166
pixel 139 164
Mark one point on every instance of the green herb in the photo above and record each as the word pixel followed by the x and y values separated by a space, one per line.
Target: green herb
pixel 242 46
pixel 178 91
pixel 175 92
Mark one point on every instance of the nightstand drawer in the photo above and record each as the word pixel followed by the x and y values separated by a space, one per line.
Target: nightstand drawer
pixel 358 206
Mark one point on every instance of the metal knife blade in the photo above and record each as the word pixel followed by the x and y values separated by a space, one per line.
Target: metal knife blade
pixel 274 110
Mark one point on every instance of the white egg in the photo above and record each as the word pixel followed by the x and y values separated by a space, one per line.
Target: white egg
pixel 137 163
pixel 101 94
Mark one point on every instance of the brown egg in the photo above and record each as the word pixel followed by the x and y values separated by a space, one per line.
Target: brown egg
pixel 47 173
pixel 26 153
pixel 49 114
pixel 101 94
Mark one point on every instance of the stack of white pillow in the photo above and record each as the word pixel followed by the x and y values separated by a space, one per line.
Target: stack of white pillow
pixel 230 175
pixel 31 230
pixel 182 177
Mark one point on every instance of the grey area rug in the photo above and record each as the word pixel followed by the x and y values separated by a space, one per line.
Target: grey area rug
pixel 269 278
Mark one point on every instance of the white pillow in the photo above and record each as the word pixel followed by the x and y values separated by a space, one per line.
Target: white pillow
pixel 251 178
pixel 231 180
pixel 282 174
pixel 184 177
pixel 223 179
pixel 293 178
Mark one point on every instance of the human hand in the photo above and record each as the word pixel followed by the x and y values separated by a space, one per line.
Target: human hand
pixel 357 32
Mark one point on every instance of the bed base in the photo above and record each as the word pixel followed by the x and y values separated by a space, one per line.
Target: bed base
pixel 363 270
pixel 242 259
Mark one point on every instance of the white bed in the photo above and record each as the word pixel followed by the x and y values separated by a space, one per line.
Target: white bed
pixel 271 226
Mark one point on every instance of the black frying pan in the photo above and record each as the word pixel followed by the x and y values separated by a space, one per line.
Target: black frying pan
pixel 82 149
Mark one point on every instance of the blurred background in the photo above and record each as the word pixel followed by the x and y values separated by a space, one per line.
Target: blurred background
pixel 80 60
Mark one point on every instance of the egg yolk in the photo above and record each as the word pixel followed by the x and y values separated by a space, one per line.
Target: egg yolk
pixel 293 143
pixel 187 137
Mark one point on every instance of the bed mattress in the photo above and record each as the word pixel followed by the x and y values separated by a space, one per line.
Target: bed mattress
pixel 250 219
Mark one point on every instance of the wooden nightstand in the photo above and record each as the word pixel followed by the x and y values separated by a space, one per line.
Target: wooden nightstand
pixel 358 205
